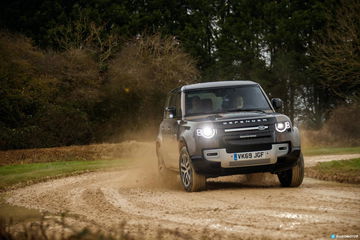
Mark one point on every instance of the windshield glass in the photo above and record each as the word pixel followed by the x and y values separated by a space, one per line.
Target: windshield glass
pixel 229 99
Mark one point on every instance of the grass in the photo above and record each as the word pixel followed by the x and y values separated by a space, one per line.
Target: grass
pixel 330 150
pixel 345 171
pixel 345 167
pixel 11 175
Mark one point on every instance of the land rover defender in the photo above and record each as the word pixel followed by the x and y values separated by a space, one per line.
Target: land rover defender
pixel 225 128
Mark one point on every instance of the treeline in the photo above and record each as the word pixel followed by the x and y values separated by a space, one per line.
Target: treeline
pixel 75 72
pixel 52 98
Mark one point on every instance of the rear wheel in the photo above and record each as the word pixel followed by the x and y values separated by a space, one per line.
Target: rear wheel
pixel 294 176
pixel 191 181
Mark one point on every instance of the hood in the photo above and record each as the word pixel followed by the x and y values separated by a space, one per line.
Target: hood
pixel 229 116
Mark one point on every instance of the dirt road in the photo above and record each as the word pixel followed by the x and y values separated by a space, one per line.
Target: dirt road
pixel 232 206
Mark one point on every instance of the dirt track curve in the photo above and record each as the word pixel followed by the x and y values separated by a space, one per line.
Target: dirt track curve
pixel 256 208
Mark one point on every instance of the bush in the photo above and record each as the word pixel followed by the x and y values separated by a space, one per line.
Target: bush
pixel 52 98
pixel 45 97
pixel 141 75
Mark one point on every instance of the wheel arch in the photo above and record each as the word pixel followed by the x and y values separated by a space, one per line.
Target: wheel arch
pixel 296 138
pixel 182 143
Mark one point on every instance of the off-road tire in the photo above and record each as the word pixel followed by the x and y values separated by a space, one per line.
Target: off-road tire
pixel 294 176
pixel 190 180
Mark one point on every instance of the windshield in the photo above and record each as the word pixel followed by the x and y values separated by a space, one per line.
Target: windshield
pixel 229 99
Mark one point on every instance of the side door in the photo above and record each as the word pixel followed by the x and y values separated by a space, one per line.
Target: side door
pixel 165 128
pixel 174 131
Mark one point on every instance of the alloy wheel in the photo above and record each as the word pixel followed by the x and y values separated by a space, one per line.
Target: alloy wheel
pixel 186 171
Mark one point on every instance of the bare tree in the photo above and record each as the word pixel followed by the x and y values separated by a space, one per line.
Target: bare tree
pixel 145 69
pixel 153 63
pixel 337 52
pixel 84 34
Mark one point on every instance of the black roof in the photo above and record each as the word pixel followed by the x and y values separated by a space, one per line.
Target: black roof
pixel 216 84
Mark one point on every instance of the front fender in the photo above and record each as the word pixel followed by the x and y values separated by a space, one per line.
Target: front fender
pixel 296 137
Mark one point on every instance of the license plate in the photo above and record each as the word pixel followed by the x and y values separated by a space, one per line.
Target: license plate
pixel 249 155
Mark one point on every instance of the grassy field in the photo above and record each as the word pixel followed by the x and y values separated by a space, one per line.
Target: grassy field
pixel 330 150
pixel 340 171
pixel 347 167
pixel 11 175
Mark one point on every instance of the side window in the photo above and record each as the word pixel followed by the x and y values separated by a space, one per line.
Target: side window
pixel 171 102
pixel 167 103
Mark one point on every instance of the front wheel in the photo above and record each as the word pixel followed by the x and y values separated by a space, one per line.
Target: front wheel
pixel 191 181
pixel 294 176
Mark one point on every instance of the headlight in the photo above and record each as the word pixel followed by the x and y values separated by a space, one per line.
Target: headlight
pixel 206 132
pixel 282 126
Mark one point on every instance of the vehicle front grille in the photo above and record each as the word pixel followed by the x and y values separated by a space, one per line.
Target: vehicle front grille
pixel 235 137
pixel 249 138
pixel 244 135
pixel 248 148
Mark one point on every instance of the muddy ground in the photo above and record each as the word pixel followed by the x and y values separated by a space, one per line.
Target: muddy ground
pixel 255 207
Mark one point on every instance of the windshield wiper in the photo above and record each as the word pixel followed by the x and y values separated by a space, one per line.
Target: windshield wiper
pixel 245 110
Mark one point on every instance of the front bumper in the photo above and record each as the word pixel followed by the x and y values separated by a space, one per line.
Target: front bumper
pixel 228 160
pixel 217 162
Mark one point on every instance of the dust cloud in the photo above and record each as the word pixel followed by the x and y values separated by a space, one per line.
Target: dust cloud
pixel 143 172
pixel 143 167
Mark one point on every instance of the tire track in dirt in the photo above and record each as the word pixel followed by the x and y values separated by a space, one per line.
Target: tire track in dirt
pixel 231 205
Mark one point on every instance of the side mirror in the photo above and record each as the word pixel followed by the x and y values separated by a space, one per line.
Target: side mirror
pixel 277 103
pixel 170 112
